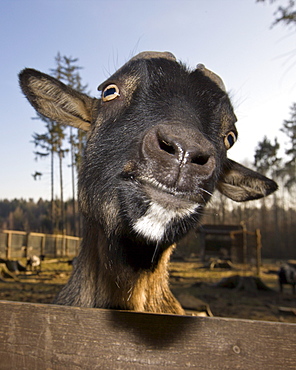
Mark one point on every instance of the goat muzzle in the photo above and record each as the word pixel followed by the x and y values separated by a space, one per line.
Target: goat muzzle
pixel 177 157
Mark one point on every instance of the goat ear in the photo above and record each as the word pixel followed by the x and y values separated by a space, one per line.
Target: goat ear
pixel 240 183
pixel 55 100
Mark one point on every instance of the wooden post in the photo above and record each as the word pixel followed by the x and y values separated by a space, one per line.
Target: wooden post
pixel 67 246
pixel 8 245
pixel 56 245
pixel 233 249
pixel 27 245
pixel 258 250
pixel 42 245
pixel 244 242
pixel 64 243
pixel 78 241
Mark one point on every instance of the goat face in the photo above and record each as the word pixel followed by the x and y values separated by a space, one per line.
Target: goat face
pixel 156 150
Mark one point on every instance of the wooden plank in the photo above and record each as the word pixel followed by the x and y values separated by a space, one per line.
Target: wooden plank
pixel 14 232
pixel 73 237
pixel 37 234
pixel 35 336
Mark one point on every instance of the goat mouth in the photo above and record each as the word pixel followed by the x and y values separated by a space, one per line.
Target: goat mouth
pixel 153 183
pixel 158 190
pixel 161 192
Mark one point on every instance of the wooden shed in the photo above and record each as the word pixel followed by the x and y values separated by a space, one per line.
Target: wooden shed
pixel 232 242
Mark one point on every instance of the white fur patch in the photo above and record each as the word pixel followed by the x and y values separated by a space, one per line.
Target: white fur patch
pixel 154 222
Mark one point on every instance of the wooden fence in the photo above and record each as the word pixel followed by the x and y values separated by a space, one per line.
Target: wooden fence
pixel 17 244
pixel 35 336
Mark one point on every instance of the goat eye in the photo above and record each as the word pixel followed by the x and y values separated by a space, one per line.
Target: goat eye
pixel 229 139
pixel 110 92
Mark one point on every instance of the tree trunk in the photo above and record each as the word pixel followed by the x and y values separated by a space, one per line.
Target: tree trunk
pixel 52 190
pixel 73 180
pixel 62 223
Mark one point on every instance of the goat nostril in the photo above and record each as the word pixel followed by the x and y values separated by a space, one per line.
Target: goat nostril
pixel 200 159
pixel 182 149
pixel 166 147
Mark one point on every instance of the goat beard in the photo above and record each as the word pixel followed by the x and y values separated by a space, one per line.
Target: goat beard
pixel 139 252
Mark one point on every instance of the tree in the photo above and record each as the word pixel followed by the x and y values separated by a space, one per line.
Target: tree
pixel 267 162
pixel 284 14
pixel 265 158
pixel 51 142
pixel 68 72
pixel 289 128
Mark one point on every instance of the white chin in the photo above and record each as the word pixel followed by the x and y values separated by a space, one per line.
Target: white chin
pixel 153 224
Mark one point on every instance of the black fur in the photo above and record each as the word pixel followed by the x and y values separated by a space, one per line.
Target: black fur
pixel 153 158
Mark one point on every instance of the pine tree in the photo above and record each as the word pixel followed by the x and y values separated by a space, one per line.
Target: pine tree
pixel 50 144
pixel 289 128
pixel 267 162
pixel 68 72
pixel 52 141
pixel 285 13
pixel 265 158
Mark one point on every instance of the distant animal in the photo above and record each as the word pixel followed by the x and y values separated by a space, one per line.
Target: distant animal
pixel 73 262
pixel 33 262
pixel 287 275
pixel 157 148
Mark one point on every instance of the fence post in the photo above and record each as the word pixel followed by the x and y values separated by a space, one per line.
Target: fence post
pixel 42 245
pixel 27 245
pixel 55 245
pixel 66 246
pixel 258 250
pixel 8 245
pixel 64 243
pixel 77 246
pixel 244 242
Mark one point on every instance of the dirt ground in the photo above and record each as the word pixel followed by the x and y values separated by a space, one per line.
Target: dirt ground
pixel 194 279
pixel 191 282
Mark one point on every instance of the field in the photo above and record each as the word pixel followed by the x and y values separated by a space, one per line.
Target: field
pixel 191 282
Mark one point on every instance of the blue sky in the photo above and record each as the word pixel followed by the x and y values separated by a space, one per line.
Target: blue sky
pixel 231 37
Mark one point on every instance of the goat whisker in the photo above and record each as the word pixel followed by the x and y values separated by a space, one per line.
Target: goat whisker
pixel 154 254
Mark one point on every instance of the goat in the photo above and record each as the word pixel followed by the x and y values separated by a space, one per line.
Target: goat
pixel 287 275
pixel 34 263
pixel 156 150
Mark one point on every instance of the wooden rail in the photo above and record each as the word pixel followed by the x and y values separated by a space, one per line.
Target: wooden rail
pixel 23 249
pixel 35 336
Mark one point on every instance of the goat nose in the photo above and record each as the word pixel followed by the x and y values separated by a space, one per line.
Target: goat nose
pixel 177 156
pixel 181 150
